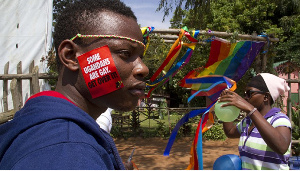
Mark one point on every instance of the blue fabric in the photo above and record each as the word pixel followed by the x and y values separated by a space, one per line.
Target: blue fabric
pixel 51 133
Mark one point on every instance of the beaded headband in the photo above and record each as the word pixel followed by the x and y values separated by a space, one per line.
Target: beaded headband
pixel 107 36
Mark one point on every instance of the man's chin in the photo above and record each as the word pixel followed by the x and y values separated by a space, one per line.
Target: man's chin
pixel 126 108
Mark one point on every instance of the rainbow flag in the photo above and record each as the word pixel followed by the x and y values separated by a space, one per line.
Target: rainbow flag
pixel 227 59
pixel 230 60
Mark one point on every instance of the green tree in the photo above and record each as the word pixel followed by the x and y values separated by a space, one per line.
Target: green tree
pixel 58 6
pixel 278 18
pixel 289 48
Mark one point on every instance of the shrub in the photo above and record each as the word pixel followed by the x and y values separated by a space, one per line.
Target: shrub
pixel 117 132
pixel 295 131
pixel 215 133
pixel 162 130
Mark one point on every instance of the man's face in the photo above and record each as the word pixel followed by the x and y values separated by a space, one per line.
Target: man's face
pixel 127 57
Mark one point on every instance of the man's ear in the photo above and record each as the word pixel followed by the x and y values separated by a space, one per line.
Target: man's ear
pixel 68 52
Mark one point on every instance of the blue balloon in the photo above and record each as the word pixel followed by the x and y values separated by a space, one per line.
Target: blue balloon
pixel 228 162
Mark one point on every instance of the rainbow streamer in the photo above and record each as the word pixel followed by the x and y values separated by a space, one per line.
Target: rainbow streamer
pixel 211 79
pixel 208 121
pixel 167 67
pixel 196 161
pixel 146 31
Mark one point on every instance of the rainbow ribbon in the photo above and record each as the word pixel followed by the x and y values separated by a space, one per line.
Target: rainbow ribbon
pixel 166 67
pixel 208 79
pixel 207 123
pixel 196 160
pixel 216 84
pixel 146 31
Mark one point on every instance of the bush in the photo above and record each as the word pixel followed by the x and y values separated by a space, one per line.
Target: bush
pixel 295 131
pixel 117 132
pixel 162 130
pixel 215 133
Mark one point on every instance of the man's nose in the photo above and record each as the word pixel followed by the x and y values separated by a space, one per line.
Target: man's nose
pixel 140 68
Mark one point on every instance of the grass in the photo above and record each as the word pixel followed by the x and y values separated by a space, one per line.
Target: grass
pixel 161 125
pixel 150 123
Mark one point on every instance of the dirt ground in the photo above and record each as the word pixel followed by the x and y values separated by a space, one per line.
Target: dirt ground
pixel 148 153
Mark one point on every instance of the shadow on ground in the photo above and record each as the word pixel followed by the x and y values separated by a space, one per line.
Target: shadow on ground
pixel 148 153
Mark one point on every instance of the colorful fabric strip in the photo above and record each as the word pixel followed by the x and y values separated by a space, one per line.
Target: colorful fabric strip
pixel 171 57
pixel 230 84
pixel 183 120
pixel 146 31
pixel 215 80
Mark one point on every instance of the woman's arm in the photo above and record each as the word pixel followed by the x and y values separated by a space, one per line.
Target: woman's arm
pixel 278 139
pixel 231 130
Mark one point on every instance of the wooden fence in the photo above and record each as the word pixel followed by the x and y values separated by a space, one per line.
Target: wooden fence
pixel 16 87
pixel 33 76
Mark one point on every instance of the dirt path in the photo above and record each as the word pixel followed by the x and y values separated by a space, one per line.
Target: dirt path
pixel 148 153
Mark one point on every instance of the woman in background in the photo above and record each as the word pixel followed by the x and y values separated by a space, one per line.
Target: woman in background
pixel 265 134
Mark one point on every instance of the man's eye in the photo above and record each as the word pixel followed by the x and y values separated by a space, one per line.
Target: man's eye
pixel 124 54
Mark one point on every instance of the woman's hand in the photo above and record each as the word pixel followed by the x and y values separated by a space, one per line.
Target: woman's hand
pixel 234 99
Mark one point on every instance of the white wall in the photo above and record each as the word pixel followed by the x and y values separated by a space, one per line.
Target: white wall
pixel 28 25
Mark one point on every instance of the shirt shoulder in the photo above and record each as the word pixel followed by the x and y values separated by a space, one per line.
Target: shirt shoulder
pixel 280 119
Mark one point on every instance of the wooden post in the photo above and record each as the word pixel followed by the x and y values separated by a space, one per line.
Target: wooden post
pixel 15 95
pixel 218 34
pixel 258 64
pixel 149 113
pixel 6 116
pixel 299 93
pixel 19 82
pixel 169 119
pixel 35 80
pixel 5 88
pixel 264 58
pixel 289 101
pixel 31 66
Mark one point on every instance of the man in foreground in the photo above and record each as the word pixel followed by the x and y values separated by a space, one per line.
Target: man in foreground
pixel 99 49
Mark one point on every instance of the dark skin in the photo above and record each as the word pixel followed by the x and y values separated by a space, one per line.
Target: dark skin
pixel 278 139
pixel 127 56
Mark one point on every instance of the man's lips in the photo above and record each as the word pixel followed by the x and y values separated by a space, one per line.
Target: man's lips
pixel 138 89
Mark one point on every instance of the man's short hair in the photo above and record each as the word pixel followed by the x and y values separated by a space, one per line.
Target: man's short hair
pixel 76 17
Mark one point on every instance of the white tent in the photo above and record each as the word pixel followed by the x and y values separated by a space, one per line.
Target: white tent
pixel 25 35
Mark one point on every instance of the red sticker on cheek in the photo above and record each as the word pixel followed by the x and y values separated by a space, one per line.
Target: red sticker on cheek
pixel 99 71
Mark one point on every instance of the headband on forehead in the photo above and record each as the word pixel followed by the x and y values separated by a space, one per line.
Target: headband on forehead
pixel 107 36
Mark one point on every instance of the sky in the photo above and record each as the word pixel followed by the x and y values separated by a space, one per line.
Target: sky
pixel 145 11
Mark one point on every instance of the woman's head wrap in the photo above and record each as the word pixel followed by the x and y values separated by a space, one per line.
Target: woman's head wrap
pixel 269 83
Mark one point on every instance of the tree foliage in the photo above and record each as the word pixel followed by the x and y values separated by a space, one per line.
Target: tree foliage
pixel 279 18
pixel 58 6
